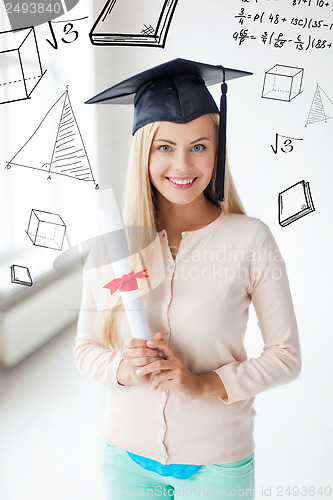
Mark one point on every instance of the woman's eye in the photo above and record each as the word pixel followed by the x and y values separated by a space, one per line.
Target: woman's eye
pixel 165 149
pixel 198 147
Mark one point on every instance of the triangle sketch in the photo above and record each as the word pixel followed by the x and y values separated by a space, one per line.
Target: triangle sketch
pixel 321 107
pixel 63 151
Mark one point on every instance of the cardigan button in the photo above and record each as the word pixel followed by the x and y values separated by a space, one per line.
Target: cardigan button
pixel 184 234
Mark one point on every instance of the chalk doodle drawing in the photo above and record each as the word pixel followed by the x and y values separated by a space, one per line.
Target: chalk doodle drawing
pixel 282 83
pixel 70 34
pixel 148 27
pixel 20 65
pixel 56 146
pixel 321 108
pixel 20 275
pixel 287 143
pixel 294 203
pixel 46 229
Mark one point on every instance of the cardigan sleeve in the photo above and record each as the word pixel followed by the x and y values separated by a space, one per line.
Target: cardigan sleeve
pixel 280 361
pixel 91 358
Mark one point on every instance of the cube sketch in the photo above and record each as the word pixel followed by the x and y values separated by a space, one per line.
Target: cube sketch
pixel 20 65
pixel 46 229
pixel 282 83
pixel 20 275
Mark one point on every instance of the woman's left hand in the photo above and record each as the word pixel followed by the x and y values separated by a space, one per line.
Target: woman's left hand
pixel 174 374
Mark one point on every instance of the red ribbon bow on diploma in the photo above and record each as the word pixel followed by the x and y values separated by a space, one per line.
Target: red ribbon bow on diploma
pixel 127 282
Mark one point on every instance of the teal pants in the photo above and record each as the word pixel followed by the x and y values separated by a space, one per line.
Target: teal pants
pixel 123 478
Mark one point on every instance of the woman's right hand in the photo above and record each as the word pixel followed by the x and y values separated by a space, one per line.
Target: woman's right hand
pixel 135 355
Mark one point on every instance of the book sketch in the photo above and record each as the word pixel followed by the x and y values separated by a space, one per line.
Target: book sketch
pixel 20 275
pixel 56 146
pixel 145 24
pixel 294 203
pixel 321 108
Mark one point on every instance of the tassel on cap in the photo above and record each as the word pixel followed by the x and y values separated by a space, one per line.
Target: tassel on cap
pixel 221 153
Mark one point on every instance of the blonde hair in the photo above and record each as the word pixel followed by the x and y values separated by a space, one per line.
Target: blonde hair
pixel 140 209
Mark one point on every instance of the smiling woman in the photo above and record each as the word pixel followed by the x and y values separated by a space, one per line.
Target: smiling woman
pixel 194 429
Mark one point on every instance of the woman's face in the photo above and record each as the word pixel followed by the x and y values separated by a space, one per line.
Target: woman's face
pixel 182 159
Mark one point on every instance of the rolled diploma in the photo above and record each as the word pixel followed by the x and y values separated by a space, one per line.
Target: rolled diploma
pixel 111 220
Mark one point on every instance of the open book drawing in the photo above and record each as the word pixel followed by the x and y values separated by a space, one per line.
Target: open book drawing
pixel 124 22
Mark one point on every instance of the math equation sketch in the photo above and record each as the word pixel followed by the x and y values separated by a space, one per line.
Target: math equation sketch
pixel 307 26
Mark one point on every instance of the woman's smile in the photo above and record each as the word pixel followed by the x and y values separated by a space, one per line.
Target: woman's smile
pixel 182 182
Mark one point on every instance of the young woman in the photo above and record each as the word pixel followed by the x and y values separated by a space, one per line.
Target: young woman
pixel 180 417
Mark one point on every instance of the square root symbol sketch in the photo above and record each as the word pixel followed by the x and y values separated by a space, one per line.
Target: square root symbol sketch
pixel 282 83
pixel 46 229
pixel 20 64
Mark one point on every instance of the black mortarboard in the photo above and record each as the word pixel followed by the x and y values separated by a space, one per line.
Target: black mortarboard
pixel 176 92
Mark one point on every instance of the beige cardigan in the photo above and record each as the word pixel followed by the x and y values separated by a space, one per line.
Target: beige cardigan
pixel 202 301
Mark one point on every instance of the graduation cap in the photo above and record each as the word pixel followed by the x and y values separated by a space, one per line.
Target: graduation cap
pixel 177 92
